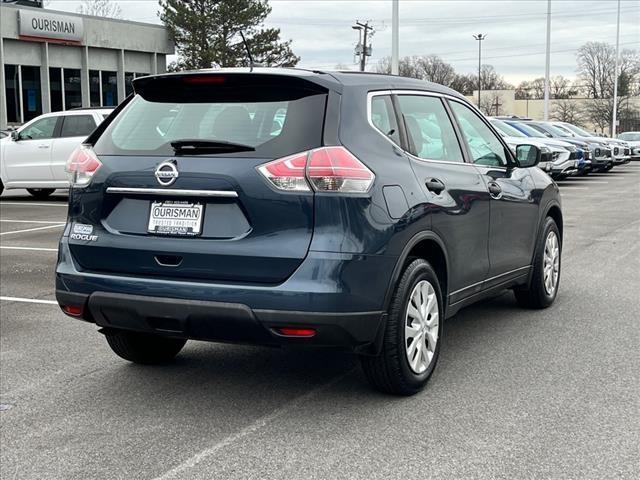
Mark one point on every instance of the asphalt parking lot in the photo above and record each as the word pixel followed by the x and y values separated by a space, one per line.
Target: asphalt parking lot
pixel 517 394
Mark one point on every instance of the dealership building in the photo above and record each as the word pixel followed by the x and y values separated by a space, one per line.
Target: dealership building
pixel 55 61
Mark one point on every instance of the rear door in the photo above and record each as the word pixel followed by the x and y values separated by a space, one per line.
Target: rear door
pixel 453 189
pixel 201 214
pixel 27 160
pixel 75 128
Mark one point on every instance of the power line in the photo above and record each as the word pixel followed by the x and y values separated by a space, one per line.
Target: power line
pixel 447 20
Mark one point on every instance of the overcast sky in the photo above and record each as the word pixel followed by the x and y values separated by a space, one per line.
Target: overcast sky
pixel 322 34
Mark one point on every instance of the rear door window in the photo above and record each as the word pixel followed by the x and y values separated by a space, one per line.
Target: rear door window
pixel 429 130
pixel 271 128
pixel 77 125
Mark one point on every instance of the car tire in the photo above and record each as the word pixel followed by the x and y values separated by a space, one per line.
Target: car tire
pixel 40 193
pixel 147 349
pixel 392 371
pixel 1 187
pixel 545 278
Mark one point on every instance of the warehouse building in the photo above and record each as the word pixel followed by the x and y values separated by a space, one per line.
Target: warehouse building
pixel 55 61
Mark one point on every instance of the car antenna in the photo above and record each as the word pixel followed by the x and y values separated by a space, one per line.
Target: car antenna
pixel 246 46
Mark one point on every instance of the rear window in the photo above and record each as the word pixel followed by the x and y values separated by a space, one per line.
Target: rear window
pixel 273 127
pixel 77 125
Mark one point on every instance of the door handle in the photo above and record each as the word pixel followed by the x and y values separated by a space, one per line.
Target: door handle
pixel 495 190
pixel 43 146
pixel 434 185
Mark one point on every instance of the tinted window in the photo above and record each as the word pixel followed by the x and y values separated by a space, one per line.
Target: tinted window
pixel 484 145
pixel 273 128
pixel 40 129
pixel 77 126
pixel 429 130
pixel 384 118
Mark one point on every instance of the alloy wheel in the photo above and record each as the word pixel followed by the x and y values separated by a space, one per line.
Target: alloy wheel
pixel 421 326
pixel 551 263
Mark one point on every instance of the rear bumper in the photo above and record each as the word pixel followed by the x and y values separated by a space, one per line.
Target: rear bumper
pixel 227 322
pixel 341 296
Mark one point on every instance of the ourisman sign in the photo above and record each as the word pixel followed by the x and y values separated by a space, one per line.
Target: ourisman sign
pixel 50 26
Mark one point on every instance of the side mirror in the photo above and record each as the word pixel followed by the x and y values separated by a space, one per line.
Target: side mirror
pixel 15 136
pixel 528 155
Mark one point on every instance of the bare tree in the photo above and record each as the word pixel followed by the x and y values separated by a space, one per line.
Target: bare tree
pixel 491 80
pixel 567 111
pixel 595 69
pixel 407 67
pixel 596 72
pixel 100 8
pixel 491 103
pixel 434 69
pixel 560 87
pixel 464 84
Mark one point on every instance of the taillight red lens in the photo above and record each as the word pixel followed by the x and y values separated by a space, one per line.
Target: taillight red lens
pixel 82 165
pixel 327 169
pixel 336 169
pixel 287 173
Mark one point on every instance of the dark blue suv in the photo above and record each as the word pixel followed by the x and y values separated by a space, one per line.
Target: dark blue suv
pixel 296 208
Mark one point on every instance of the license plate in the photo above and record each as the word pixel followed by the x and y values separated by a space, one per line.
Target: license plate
pixel 175 218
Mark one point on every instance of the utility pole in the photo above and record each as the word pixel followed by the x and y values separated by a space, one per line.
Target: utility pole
pixel 614 125
pixel 395 38
pixel 479 37
pixel 547 63
pixel 363 49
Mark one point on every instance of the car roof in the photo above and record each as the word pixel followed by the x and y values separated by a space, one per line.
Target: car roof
pixel 334 80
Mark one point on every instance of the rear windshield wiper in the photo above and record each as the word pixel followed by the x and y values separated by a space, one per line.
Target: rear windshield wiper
pixel 208 146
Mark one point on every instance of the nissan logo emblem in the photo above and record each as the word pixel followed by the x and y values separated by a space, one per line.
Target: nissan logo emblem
pixel 166 173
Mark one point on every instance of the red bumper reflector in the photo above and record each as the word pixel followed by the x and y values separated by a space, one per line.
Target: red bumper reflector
pixel 296 332
pixel 74 310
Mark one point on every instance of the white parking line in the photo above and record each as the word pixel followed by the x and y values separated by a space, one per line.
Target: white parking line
pixel 33 229
pixel 29 300
pixel 36 249
pixel 31 221
pixel 30 204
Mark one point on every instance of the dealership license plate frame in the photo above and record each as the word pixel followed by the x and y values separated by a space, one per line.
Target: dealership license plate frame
pixel 180 227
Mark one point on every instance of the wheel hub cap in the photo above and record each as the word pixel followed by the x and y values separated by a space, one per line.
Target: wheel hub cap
pixel 551 263
pixel 421 326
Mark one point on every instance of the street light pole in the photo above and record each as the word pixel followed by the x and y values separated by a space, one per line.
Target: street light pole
pixel 479 37
pixel 614 122
pixel 547 63
pixel 395 38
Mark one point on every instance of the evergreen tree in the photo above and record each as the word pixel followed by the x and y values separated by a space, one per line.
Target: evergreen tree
pixel 206 33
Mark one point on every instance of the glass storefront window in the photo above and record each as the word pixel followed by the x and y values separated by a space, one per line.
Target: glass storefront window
pixel 128 85
pixel 72 88
pixel 109 89
pixel 12 93
pixel 55 89
pixel 94 88
pixel 31 93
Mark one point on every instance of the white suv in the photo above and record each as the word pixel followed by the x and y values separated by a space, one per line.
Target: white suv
pixel 35 155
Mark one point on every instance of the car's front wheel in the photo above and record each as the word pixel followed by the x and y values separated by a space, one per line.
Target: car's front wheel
pixel 143 348
pixel 40 193
pixel 545 279
pixel 412 336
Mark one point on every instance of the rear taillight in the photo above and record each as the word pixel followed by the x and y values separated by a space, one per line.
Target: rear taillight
pixel 82 165
pixel 326 169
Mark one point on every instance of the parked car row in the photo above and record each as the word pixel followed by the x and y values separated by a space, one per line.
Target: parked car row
pixel 34 156
pixel 575 150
